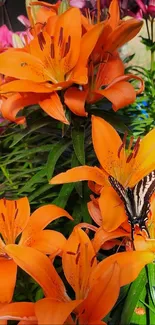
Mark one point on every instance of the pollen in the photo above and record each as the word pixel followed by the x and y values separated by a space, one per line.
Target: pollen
pixel 140 311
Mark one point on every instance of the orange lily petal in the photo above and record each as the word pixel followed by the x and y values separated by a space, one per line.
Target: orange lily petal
pixel 8 272
pixel 3 322
pixel 122 34
pixel 12 105
pixel 105 148
pixel 75 100
pixel 114 12
pixel 131 263
pixel 53 107
pixel 112 209
pixel 26 86
pixel 17 311
pixel 102 236
pixel 39 219
pixel 102 296
pixel 81 173
pixel 22 65
pixel 53 312
pixel 145 159
pixel 13 218
pixel 121 94
pixel 88 43
pixel 95 212
pixel 39 266
pixel 28 322
pixel 67 33
pixel 48 242
pixel 78 261
pixel 110 70
pixel 142 244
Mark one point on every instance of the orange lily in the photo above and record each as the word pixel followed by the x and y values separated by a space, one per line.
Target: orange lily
pixel 109 82
pixel 116 33
pixel 127 166
pixel 40 11
pixel 53 60
pixel 105 69
pixel 44 312
pixel 95 285
pixel 15 219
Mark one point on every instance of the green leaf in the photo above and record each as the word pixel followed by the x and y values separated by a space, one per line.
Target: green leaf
pixel 35 179
pixel 33 127
pixel 78 185
pixel 84 210
pixel 78 143
pixel 39 294
pixel 114 119
pixel 151 277
pixel 129 58
pixel 54 155
pixel 64 195
pixel 151 310
pixel 133 298
pixel 115 315
pixel 26 153
pixel 142 318
pixel 40 191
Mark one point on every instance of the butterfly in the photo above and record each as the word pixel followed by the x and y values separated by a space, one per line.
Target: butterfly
pixel 136 200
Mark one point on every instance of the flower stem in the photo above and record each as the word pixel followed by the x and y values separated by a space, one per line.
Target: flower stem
pixel 147 27
pixel 98 11
pixel 152 60
pixel 152 50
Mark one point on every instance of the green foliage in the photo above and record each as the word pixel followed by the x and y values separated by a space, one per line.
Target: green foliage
pixel 141 114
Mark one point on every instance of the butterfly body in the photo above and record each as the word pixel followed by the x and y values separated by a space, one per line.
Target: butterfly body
pixel 136 200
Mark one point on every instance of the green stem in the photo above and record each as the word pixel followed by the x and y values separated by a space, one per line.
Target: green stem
pixel 147 27
pixel 152 50
pixel 152 61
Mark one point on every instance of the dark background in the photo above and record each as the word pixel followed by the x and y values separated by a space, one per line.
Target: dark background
pixel 11 10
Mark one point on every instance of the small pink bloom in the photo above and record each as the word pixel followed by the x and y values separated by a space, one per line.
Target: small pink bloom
pixel 5 37
pixel 24 20
pixel 78 4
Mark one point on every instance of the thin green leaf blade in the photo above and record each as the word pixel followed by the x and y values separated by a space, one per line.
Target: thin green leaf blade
pixel 55 153
pixel 133 298
pixel 78 143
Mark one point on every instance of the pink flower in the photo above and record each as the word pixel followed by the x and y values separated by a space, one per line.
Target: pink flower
pixel 78 4
pixel 5 37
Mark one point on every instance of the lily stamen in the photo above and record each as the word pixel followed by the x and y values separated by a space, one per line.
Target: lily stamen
pixel 71 253
pixel 77 258
pixel 123 144
pixel 130 143
pixel 78 248
pixel 16 212
pixel 136 147
pixel 3 217
pixel 129 157
pixel 41 41
pixel 52 48
pixel 60 37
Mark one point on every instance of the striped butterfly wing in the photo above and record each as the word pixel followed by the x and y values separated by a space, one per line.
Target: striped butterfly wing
pixel 118 187
pixel 124 194
pixel 136 200
pixel 142 193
